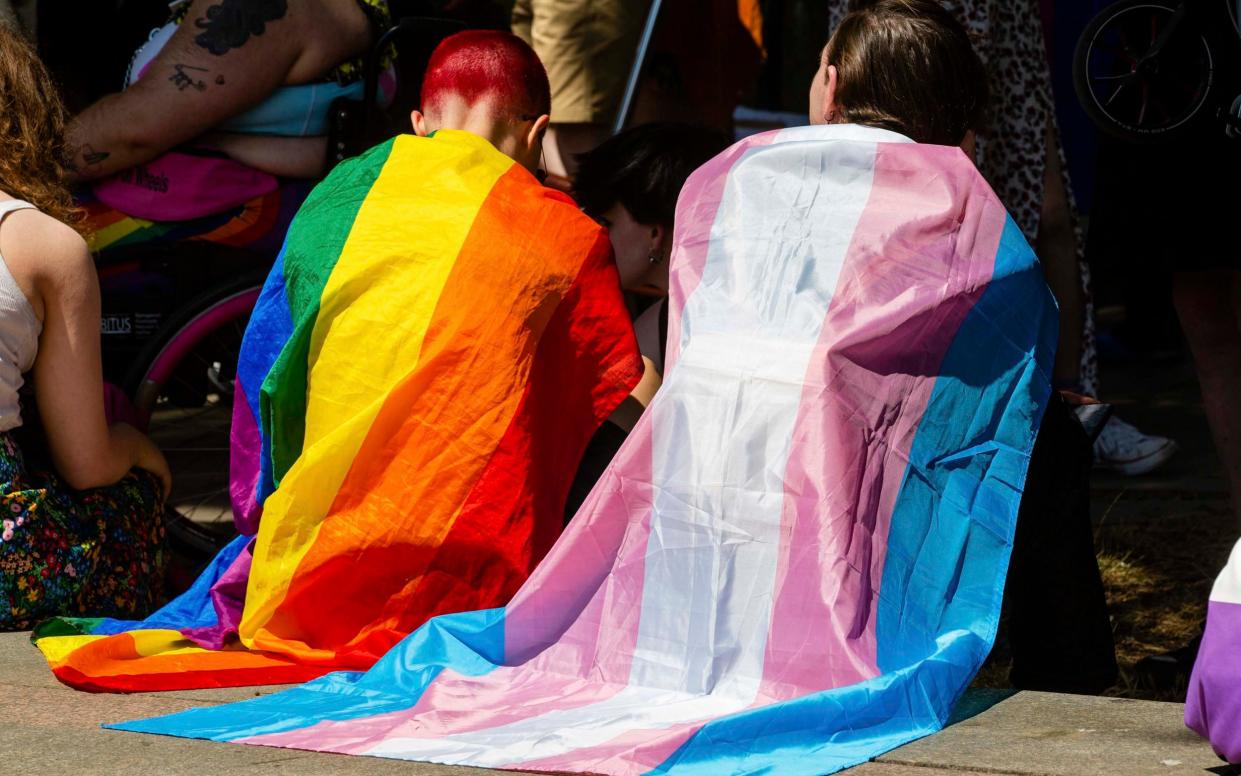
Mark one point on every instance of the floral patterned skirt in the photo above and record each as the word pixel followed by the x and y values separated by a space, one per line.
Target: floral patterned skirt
pixel 91 553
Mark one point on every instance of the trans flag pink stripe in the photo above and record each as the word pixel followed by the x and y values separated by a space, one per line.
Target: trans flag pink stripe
pixel 824 615
pixel 715 607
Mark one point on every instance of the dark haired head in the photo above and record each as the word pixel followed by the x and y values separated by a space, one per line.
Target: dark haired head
pixel 643 169
pixel 487 64
pixel 907 66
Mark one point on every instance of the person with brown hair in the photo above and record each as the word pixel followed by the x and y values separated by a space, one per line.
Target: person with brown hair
pixel 865 75
pixel 908 66
pixel 80 534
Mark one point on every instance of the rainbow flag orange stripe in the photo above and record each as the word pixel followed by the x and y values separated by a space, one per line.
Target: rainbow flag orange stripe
pixel 437 342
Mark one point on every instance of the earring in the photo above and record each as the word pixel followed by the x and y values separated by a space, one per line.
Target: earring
pixel 655 257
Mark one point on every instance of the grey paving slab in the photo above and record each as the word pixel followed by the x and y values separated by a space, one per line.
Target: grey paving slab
pixel 48 728
pixel 891 769
pixel 1046 734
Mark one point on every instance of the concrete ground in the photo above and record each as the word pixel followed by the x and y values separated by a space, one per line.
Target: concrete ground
pixel 47 728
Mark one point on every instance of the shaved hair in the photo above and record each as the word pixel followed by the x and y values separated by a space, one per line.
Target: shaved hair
pixel 478 65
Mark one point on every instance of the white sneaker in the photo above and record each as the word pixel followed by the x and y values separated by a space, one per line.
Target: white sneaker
pixel 1122 448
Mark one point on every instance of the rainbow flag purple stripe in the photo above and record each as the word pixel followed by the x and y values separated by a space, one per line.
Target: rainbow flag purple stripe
pixel 796 561
pixel 1213 707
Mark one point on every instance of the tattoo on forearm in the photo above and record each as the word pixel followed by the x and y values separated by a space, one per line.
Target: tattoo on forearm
pixel 183 77
pixel 229 24
pixel 92 158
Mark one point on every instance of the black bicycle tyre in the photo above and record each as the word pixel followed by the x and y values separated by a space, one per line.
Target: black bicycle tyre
pixel 137 373
pixel 1099 115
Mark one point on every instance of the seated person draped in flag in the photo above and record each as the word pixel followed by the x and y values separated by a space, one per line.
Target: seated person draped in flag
pixel 797 559
pixel 427 361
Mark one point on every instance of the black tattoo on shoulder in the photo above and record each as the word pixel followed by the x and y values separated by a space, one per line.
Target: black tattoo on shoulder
pixel 229 24
pixel 183 77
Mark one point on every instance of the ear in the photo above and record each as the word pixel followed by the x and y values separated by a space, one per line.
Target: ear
pixel 660 235
pixel 420 123
pixel 534 139
pixel 830 109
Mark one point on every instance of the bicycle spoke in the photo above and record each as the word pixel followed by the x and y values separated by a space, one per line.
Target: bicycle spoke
pixel 1116 93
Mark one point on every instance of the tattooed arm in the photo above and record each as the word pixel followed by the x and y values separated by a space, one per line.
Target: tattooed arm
pixel 225 58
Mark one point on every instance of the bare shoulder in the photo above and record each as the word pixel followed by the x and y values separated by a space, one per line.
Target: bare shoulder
pixel 32 231
pixel 333 30
pixel 39 248
pixel 322 33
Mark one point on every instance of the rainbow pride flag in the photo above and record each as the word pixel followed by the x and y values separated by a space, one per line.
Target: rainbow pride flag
pixel 796 561
pixel 1213 706
pixel 432 351
pixel 258 224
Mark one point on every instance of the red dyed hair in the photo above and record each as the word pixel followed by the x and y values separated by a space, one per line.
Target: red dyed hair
pixel 481 64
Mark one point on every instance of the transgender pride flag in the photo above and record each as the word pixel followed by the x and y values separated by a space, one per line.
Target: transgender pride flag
pixel 1213 707
pixel 796 561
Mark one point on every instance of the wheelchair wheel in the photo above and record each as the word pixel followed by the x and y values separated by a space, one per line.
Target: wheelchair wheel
pixel 182 385
pixel 1132 87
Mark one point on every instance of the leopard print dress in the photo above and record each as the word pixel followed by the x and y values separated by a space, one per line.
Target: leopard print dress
pixel 1011 154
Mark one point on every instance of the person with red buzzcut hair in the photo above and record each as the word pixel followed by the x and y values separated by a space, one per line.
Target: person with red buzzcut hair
pixel 490 84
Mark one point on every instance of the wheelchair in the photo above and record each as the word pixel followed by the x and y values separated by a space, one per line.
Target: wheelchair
pixel 177 297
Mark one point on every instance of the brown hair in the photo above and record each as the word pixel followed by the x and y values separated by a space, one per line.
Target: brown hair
pixel 908 66
pixel 32 131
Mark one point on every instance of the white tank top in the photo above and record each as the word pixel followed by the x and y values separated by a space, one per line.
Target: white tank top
pixel 19 334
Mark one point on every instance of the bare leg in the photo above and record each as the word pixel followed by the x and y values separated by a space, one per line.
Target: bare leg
pixel 1209 306
pixel 1056 247
pixel 565 141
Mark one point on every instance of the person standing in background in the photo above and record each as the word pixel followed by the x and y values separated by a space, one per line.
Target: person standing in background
pixel 588 47
pixel 702 56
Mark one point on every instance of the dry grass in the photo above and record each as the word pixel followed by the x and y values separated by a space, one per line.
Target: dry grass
pixel 1158 564
pixel 1158 572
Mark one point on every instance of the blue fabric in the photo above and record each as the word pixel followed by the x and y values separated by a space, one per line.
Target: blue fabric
pixel 271 325
pixel 470 643
pixel 191 609
pixel 294 111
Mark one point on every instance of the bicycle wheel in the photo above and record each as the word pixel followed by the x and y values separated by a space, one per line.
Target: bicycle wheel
pixel 182 385
pixel 1134 84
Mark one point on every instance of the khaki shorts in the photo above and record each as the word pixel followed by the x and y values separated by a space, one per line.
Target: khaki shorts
pixel 588 48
